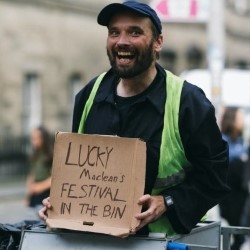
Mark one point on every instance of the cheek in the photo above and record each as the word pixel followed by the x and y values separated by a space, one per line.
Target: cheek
pixel 110 43
pixel 239 125
pixel 37 142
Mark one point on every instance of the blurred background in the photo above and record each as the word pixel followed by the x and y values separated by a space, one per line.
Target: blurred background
pixel 49 49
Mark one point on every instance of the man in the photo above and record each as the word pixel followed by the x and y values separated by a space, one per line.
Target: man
pixel 186 156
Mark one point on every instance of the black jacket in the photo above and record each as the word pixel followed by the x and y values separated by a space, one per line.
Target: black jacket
pixel 141 116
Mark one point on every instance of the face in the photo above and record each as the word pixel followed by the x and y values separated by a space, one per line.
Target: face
pixel 239 121
pixel 131 47
pixel 36 139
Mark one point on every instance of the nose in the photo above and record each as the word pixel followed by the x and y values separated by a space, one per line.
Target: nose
pixel 123 39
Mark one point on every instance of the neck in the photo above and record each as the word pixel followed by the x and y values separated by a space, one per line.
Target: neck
pixel 136 85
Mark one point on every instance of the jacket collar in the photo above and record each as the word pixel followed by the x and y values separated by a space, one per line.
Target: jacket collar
pixel 107 89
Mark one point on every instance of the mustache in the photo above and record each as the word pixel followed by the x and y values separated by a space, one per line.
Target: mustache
pixel 126 48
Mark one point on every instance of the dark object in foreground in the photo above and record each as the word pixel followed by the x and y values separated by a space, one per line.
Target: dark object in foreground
pixel 10 234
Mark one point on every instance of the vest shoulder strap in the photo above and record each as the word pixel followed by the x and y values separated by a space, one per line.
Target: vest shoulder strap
pixel 89 103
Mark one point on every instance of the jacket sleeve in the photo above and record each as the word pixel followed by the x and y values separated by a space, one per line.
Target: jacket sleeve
pixel 205 184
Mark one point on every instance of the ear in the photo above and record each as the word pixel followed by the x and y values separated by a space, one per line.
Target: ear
pixel 158 43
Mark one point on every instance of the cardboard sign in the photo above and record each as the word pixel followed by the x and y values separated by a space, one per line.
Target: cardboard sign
pixel 96 183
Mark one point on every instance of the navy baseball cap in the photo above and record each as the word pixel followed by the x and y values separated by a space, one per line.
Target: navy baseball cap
pixel 141 8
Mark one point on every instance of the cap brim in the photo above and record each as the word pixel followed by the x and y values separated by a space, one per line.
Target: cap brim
pixel 108 11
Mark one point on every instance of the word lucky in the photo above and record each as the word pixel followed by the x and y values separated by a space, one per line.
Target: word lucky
pixel 92 156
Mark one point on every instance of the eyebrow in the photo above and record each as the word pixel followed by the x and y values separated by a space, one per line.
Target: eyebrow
pixel 129 28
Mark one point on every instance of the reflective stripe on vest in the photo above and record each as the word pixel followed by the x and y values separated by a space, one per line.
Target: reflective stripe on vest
pixel 172 153
pixel 172 156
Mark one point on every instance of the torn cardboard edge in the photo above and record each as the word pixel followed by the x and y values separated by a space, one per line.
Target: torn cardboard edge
pixel 97 181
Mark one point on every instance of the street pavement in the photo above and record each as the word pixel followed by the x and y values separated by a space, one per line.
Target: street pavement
pixel 12 202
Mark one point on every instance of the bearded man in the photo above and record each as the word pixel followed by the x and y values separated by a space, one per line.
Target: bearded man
pixel 187 159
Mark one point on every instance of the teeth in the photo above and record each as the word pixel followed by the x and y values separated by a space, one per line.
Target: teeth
pixel 124 54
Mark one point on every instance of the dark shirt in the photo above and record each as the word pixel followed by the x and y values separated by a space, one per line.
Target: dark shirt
pixel 141 116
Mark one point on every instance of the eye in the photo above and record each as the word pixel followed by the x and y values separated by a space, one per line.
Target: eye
pixel 113 33
pixel 135 33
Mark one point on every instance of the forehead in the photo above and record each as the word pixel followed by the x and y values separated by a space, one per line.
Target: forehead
pixel 129 18
pixel 36 133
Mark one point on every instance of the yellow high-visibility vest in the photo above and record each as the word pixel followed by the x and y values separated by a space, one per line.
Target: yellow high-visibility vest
pixel 172 156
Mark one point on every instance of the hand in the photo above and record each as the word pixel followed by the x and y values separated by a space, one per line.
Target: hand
pixel 43 211
pixel 155 208
pixel 33 189
pixel 39 187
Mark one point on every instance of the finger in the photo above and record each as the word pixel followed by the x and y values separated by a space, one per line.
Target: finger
pixel 42 212
pixel 144 198
pixel 144 223
pixel 46 202
pixel 145 214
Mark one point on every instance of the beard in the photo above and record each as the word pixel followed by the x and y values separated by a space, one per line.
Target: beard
pixel 142 60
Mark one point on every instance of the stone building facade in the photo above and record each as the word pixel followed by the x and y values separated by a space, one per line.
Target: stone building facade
pixel 50 49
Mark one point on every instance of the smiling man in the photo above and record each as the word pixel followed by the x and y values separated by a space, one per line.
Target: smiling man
pixel 187 158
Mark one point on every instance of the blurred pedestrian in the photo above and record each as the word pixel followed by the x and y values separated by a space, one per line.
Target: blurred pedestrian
pixel 231 208
pixel 232 128
pixel 39 176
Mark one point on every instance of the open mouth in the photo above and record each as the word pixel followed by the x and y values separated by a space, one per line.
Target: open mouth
pixel 125 57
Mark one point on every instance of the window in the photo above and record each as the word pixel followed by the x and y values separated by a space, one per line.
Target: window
pixel 31 102
pixel 75 85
